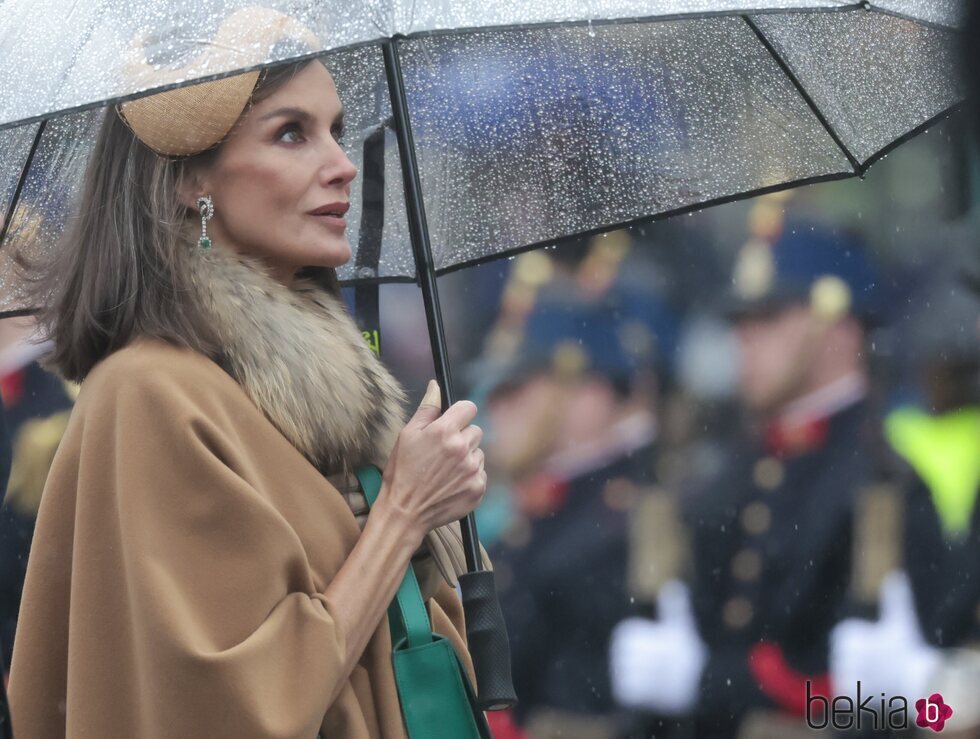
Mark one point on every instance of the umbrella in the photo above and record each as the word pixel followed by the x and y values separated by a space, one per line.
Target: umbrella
pixel 508 126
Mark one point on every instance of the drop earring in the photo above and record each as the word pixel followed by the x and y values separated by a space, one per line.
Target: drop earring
pixel 206 207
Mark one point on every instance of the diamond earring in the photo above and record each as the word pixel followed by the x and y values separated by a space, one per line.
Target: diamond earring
pixel 206 207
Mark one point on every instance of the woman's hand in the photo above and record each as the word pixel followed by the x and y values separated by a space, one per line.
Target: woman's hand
pixel 435 474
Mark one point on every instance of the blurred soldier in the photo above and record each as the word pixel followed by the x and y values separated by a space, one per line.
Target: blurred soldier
pixel 37 408
pixel 770 537
pixel 932 607
pixel 572 429
pixel 5 455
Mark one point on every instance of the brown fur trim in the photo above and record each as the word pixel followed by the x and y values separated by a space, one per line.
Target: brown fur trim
pixel 301 359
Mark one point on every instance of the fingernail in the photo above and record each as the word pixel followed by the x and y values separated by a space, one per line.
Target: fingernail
pixel 433 395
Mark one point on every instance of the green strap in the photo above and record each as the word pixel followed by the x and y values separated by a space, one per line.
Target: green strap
pixel 407 616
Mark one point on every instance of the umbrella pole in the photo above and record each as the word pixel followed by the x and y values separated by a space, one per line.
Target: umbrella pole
pixel 424 267
pixel 485 629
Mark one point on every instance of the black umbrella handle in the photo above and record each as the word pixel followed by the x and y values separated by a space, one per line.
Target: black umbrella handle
pixel 486 638
pixel 485 630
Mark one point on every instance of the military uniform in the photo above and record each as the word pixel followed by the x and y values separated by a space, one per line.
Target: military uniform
pixel 37 409
pixel 562 582
pixel 945 572
pixel 771 535
pixel 562 565
pixel 942 451
pixel 772 552
pixel 5 453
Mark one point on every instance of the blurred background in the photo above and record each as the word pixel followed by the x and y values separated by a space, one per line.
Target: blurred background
pixel 729 474
pixel 735 457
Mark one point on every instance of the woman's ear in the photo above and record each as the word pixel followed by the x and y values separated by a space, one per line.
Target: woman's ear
pixel 191 185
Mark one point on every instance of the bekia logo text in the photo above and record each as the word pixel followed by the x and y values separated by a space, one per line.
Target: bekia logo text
pixel 873 712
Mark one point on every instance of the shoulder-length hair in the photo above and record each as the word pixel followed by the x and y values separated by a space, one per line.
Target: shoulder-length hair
pixel 121 270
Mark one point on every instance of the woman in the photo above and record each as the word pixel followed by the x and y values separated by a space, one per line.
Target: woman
pixel 194 572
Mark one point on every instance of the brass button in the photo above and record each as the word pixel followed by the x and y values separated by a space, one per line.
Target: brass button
pixel 747 565
pixel 737 612
pixel 768 473
pixel 503 576
pixel 756 518
pixel 620 494
pixel 518 534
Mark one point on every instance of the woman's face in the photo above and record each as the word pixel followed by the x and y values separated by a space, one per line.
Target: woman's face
pixel 281 183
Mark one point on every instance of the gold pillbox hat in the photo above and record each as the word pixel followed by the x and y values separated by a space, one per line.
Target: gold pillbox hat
pixel 189 120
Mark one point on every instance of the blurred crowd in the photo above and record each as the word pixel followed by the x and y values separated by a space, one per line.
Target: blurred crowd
pixel 680 563
pixel 735 461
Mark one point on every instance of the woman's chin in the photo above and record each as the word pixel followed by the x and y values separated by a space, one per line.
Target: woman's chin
pixel 335 254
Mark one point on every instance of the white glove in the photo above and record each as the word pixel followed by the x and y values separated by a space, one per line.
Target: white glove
pixel 889 655
pixel 656 665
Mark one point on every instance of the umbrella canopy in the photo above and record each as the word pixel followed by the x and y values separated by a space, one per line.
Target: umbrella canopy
pixel 532 123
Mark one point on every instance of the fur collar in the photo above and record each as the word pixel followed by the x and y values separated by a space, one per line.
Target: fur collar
pixel 301 359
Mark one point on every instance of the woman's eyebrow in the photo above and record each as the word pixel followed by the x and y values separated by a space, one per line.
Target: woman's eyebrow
pixel 299 113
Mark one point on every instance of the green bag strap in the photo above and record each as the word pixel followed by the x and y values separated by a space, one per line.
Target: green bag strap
pixel 407 614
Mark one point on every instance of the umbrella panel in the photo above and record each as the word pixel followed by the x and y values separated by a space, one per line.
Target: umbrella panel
pixel 51 184
pixel 527 136
pixel 15 145
pixel 941 12
pixel 897 74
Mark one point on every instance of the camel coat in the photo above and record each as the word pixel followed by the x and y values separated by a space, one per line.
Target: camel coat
pixel 175 586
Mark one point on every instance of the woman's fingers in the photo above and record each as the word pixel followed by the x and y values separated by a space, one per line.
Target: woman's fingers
pixel 439 474
pixel 473 436
pixel 458 416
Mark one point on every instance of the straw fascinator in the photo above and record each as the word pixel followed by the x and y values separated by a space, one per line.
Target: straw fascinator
pixel 189 120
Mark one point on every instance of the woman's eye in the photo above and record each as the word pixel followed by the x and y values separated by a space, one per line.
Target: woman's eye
pixel 337 132
pixel 290 133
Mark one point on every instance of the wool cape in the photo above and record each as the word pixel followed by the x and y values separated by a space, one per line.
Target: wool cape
pixel 192 520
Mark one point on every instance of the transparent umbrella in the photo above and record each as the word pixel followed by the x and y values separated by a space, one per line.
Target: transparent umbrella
pixel 483 127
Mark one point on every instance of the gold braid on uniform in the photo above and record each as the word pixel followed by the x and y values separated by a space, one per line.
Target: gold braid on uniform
pixel 34 448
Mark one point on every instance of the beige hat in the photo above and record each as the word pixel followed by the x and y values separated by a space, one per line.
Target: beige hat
pixel 188 120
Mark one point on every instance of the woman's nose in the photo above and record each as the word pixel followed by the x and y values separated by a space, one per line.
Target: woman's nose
pixel 339 170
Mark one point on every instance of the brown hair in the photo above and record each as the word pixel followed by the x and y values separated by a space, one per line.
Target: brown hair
pixel 121 269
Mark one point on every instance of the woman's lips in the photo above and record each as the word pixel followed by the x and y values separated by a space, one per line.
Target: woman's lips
pixel 335 222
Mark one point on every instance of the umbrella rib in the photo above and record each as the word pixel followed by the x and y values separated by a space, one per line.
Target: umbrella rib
pixel 858 168
pixel 8 215
pixel 921 128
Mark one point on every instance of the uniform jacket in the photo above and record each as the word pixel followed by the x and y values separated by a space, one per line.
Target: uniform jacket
pixel 772 548
pixel 188 531
pixel 37 409
pixel 565 588
pixel 945 572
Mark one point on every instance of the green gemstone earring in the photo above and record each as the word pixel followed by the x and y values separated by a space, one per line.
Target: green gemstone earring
pixel 206 207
